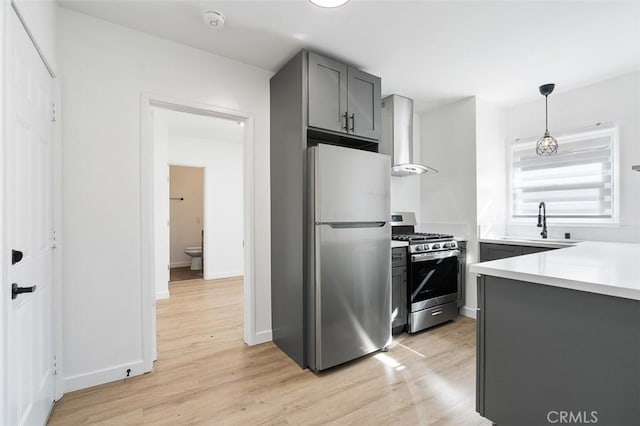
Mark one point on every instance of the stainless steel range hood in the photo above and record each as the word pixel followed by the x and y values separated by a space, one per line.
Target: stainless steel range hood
pixel 397 136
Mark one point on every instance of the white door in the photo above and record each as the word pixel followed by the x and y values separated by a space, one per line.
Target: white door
pixel 29 230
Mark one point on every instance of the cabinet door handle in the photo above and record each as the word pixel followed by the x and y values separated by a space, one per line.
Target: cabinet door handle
pixel 353 122
pixel 346 122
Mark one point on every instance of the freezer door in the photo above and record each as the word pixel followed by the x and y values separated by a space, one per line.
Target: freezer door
pixel 350 185
pixel 352 292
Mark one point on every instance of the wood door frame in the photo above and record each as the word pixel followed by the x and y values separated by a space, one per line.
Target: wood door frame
pixel 147 101
pixel 6 8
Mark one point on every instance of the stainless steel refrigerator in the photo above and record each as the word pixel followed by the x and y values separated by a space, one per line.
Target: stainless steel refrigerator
pixel 349 284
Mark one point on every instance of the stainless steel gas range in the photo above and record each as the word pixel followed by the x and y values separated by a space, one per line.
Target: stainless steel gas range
pixel 435 280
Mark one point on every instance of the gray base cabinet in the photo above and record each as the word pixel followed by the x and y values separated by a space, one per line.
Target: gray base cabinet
pixel 491 251
pixel 462 273
pixel 399 310
pixel 543 350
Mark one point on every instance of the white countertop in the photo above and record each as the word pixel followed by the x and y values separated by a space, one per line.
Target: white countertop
pixel 533 242
pixel 395 244
pixel 611 269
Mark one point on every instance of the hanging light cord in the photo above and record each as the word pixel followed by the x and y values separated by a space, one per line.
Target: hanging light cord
pixel 546 113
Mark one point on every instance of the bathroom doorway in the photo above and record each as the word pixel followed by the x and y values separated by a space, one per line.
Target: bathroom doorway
pixel 216 222
pixel 186 230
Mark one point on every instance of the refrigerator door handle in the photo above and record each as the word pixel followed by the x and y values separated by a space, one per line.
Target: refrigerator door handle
pixel 348 225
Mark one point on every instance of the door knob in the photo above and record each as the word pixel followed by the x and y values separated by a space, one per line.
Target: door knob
pixel 16 290
pixel 16 256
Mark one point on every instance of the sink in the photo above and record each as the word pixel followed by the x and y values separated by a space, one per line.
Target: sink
pixel 541 240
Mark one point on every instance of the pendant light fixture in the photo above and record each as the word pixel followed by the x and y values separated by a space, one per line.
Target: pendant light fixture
pixel 547 144
pixel 329 3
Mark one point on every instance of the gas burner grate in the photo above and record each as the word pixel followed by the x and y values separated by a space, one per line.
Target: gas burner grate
pixel 421 236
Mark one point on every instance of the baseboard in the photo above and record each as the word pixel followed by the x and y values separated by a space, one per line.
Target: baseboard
pixel 180 264
pixel 164 294
pixel 227 274
pixel 263 337
pixel 468 312
pixel 99 377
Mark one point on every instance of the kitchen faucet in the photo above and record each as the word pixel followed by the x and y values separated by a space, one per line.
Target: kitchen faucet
pixel 542 219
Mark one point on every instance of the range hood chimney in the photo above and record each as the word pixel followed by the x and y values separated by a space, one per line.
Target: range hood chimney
pixel 397 136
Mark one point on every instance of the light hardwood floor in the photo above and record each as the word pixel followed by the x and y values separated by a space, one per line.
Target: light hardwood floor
pixel 205 374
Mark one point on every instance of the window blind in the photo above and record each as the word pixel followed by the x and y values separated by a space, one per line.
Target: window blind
pixel 577 184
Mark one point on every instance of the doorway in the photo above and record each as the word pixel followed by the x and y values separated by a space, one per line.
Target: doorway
pixel 186 230
pixel 161 149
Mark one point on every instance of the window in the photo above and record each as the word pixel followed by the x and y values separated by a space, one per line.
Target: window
pixel 578 185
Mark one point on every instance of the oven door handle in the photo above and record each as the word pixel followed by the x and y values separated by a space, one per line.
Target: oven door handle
pixel 423 257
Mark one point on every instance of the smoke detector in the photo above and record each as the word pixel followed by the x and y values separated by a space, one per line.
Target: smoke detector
pixel 213 18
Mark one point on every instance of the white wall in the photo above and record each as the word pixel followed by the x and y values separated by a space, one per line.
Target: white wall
pixel 449 197
pixel 491 182
pixel 104 69
pixel 615 100
pixel 186 215
pixel 223 203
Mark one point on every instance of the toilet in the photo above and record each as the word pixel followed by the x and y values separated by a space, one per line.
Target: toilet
pixel 196 257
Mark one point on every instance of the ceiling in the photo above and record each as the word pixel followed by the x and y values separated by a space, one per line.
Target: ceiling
pixel 434 52
pixel 205 127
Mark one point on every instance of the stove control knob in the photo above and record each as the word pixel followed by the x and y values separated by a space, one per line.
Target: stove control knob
pixel 418 248
pixel 435 246
pixel 425 247
pixel 446 245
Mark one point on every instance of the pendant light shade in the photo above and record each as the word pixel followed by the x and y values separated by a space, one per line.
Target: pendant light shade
pixel 547 144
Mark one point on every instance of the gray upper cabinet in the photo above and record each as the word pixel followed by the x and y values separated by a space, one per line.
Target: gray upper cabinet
pixel 364 104
pixel 343 99
pixel 327 93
